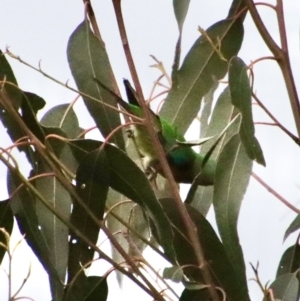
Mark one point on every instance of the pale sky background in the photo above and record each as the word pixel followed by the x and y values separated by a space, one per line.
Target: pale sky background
pixel 39 30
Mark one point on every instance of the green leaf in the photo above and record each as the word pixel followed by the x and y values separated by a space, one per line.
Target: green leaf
pixel 180 9
pixel 10 85
pixel 200 66
pixel 285 288
pixel 55 231
pixel 290 261
pixel 219 119
pixel 92 288
pixel 6 222
pixel 294 226
pixel 132 214
pixel 92 183
pixel 88 60
pixel 174 273
pixel 63 117
pixel 23 206
pixel 127 178
pixel 240 90
pixel 231 181
pixel 195 295
pixel 216 260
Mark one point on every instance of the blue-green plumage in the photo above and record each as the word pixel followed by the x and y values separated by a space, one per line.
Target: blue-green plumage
pixel 184 162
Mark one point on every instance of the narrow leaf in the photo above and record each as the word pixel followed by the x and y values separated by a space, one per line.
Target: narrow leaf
pixel 219 119
pixel 231 181
pixel 294 226
pixel 200 66
pixel 88 60
pixel 6 222
pixel 180 9
pixel 24 209
pixel 92 183
pixel 240 90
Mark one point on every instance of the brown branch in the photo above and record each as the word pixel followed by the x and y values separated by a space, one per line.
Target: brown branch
pixel 191 228
pixel 281 55
pixel 276 194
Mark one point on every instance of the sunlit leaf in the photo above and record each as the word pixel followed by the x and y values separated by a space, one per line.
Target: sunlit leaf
pixel 240 91
pixel 200 66
pixel 6 223
pixel 231 181
pixel 88 60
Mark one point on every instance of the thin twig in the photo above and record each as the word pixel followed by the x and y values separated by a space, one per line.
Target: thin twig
pixel 191 228
pixel 284 129
pixel 276 194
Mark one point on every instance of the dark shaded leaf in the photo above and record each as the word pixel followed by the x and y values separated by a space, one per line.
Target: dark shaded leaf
pixel 231 181
pixel 195 295
pixel 88 60
pixel 238 8
pixel 6 222
pixel 129 180
pixel 200 66
pixel 290 261
pixel 222 272
pixel 240 91
pixel 92 183
pixel 285 288
pixel 294 226
pixel 92 288
pixel 10 86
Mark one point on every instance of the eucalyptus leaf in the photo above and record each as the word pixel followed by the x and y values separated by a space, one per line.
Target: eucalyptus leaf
pixel 6 223
pixel 23 205
pixel 92 183
pixel 220 117
pixel 290 261
pixel 201 65
pixel 215 257
pixel 285 288
pixel 240 91
pixel 88 60
pixel 294 226
pixel 231 181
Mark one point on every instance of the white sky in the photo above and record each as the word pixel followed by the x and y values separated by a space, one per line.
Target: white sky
pixel 39 30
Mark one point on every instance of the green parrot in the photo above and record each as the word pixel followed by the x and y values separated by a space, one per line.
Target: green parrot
pixel 184 162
